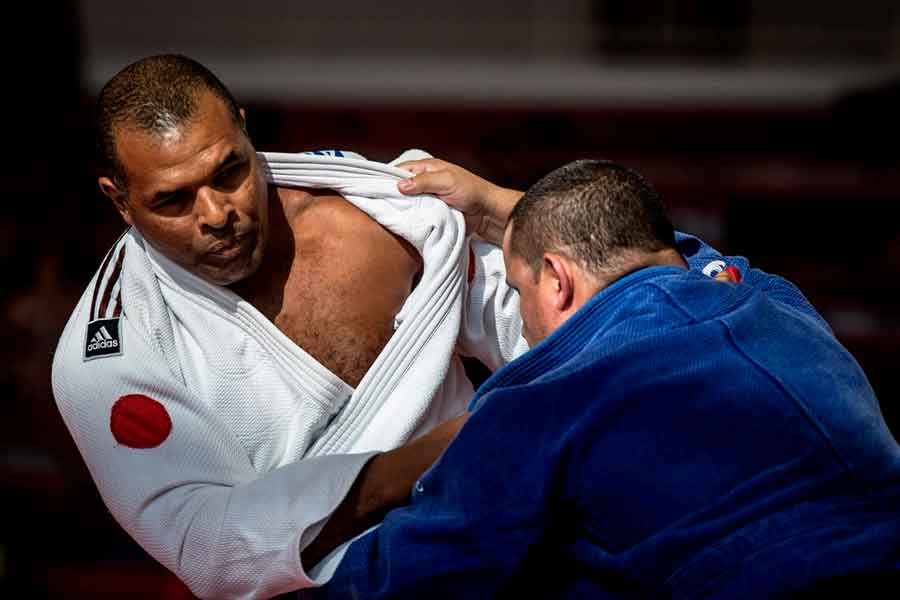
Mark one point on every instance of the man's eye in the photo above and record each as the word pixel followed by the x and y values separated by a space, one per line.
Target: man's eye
pixel 172 200
pixel 229 174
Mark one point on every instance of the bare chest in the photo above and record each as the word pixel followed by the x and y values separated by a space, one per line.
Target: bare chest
pixel 348 280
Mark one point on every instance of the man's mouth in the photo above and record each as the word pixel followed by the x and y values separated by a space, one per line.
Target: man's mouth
pixel 227 250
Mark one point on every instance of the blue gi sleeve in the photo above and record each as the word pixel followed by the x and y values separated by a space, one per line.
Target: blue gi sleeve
pixel 702 257
pixel 472 519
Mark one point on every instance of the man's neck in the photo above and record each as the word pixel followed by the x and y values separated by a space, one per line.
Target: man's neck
pixel 666 257
pixel 633 260
pixel 264 289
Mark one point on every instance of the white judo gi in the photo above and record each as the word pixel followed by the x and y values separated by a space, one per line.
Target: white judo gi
pixel 220 445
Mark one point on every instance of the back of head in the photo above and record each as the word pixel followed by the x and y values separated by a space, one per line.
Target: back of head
pixel 153 95
pixel 595 212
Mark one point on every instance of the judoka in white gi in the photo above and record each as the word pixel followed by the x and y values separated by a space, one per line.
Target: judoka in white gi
pixel 250 344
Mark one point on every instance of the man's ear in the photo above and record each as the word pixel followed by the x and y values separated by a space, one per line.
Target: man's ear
pixel 558 282
pixel 119 197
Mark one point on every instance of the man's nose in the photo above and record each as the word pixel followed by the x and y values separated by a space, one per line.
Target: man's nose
pixel 213 208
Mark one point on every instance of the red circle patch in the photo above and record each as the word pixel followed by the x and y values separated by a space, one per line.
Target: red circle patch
pixel 735 273
pixel 138 421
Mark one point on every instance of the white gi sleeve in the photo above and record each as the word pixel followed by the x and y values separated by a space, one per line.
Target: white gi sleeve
pixel 194 501
pixel 491 329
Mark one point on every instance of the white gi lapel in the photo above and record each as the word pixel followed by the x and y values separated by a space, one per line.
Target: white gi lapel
pixel 396 392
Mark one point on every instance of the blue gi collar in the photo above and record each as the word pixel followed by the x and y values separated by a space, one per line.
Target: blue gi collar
pixel 568 339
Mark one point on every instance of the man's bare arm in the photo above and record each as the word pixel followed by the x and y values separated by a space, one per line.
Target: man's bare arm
pixel 384 483
pixel 485 205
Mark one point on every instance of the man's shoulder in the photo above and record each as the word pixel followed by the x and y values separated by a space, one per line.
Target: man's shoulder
pixel 95 330
pixel 681 297
pixel 100 358
pixel 705 300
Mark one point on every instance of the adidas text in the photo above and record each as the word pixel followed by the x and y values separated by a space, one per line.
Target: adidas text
pixel 103 344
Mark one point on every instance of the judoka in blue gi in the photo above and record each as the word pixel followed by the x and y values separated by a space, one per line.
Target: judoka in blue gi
pixel 667 435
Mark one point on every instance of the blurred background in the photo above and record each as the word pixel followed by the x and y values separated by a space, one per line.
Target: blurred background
pixel 770 127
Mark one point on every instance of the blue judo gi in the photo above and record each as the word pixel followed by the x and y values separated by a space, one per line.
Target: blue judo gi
pixel 677 437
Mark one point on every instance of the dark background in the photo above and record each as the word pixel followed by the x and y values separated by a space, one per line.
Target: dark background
pixel 770 127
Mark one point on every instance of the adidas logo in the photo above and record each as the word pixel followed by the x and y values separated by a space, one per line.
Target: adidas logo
pixel 102 339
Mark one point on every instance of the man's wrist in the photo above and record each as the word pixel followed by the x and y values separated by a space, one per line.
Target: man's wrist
pixel 499 203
